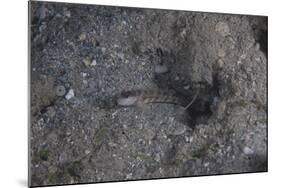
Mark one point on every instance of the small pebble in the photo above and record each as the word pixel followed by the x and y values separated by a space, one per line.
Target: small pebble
pixel 125 126
pixel 206 164
pixel 220 63
pixel 82 37
pixel 243 56
pixel 186 87
pixel 103 49
pixel 189 139
pixel 60 90
pixel 68 133
pixel 221 109
pixel 183 33
pixel 160 69
pixel 68 14
pixel 63 157
pixel 248 151
pixel 223 29
pixel 121 55
pixel 129 176
pixel 221 53
pixel 94 63
pixel 87 62
pixel 85 82
pixel 52 138
pixel 70 94
pixel 42 12
pixel 149 134
pixel 157 157
pixel 114 114
pixel 42 27
pixel 228 148
pixel 52 169
pixel 257 47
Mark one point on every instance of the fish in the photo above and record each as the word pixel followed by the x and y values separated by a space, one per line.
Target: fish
pixel 142 97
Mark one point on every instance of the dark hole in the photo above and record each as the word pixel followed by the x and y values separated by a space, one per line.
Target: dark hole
pixel 263 40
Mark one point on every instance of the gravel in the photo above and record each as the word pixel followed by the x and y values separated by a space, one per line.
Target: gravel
pixel 96 52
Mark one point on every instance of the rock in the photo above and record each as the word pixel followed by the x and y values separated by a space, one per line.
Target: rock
pixel 206 164
pixel 157 157
pixel 85 82
pixel 149 134
pixel 248 151
pixel 42 12
pixel 129 176
pixel 60 90
pixel 70 94
pixel 121 56
pixel 103 49
pixel 87 151
pixel 189 139
pixel 243 56
pixel 82 36
pixel 42 27
pixel 160 69
pixel 52 138
pixel 67 13
pixel 187 87
pixel 183 33
pixel 221 109
pixel 52 169
pixel 257 46
pixel 51 112
pixel 94 63
pixel 223 29
pixel 220 63
pixel 221 53
pixel 84 74
pixel 86 61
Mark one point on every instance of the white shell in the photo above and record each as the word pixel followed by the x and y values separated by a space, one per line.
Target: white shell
pixel 70 94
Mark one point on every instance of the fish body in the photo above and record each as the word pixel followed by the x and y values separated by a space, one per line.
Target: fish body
pixel 141 97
